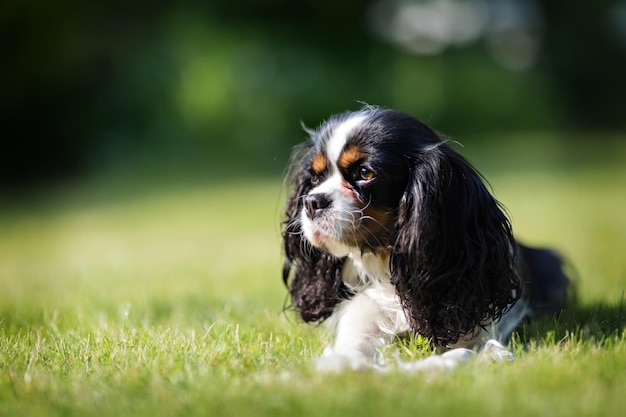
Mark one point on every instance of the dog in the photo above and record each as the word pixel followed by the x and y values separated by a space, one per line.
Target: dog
pixel 388 230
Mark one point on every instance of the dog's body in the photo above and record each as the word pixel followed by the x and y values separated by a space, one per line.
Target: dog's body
pixel 389 230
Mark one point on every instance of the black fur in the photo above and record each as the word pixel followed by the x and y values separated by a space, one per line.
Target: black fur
pixel 453 258
pixel 316 285
pixel 547 287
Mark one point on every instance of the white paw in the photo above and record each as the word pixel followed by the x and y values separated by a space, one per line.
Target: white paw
pixel 337 362
pixel 447 360
pixel 496 351
pixel 458 355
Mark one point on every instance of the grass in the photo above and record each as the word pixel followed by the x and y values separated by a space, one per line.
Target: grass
pixel 169 302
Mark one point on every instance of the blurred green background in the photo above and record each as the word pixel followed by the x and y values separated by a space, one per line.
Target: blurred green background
pixel 143 145
pixel 191 89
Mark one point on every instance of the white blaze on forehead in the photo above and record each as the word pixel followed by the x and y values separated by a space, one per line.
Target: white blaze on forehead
pixel 339 137
pixel 334 148
pixel 340 214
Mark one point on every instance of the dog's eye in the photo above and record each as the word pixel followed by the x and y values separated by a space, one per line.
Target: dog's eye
pixel 366 174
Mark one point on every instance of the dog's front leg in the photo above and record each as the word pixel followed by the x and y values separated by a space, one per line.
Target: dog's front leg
pixel 357 336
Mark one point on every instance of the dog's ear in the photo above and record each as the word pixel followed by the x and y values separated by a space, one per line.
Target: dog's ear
pixel 312 277
pixel 453 257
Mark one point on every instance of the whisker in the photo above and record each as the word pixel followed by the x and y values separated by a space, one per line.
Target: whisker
pixel 362 227
pixel 385 228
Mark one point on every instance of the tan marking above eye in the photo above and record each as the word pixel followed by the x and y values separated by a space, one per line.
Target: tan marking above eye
pixel 319 163
pixel 350 156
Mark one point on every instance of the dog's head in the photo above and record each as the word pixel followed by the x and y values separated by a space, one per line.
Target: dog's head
pixel 381 181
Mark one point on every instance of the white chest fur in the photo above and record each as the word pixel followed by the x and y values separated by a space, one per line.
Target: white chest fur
pixel 368 275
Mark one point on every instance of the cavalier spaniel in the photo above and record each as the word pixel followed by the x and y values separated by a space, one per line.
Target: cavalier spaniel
pixel 389 230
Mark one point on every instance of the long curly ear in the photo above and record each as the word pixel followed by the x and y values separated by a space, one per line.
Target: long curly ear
pixel 453 256
pixel 312 277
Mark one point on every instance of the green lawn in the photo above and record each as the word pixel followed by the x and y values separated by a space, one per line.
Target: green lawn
pixel 168 301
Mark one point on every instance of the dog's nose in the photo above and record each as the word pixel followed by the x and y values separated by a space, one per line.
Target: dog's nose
pixel 315 203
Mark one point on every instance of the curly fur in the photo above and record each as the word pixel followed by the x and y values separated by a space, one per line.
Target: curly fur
pixel 316 285
pixel 457 273
pixel 453 260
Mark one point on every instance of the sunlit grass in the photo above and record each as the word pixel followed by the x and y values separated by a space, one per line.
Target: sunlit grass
pixel 170 303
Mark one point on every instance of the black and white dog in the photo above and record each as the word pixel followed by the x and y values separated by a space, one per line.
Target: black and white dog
pixel 389 230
